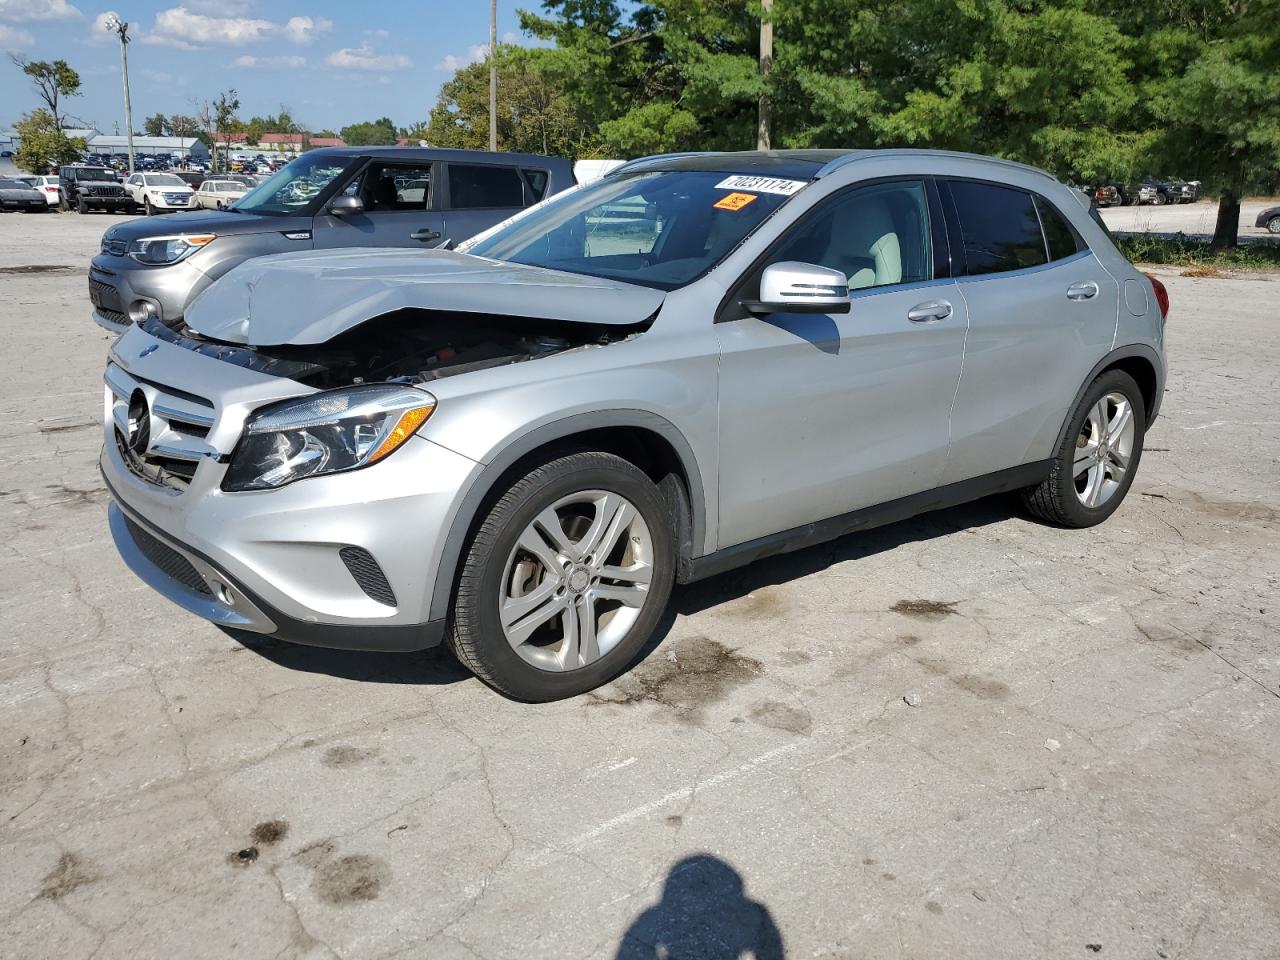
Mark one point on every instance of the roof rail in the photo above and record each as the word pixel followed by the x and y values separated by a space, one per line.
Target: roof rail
pixel 848 158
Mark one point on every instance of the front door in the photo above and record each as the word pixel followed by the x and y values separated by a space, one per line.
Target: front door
pixel 821 415
pixel 399 209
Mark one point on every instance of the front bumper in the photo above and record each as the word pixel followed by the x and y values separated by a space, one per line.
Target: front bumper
pixel 116 282
pixel 272 561
pixel 23 205
pixel 107 203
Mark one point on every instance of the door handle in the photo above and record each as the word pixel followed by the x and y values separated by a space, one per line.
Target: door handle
pixel 929 312
pixel 426 233
pixel 1085 290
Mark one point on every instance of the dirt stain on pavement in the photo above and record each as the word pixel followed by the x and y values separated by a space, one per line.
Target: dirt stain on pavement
pixel 694 672
pixel 984 688
pixel 1233 509
pixel 765 602
pixel 41 268
pixel 346 756
pixel 352 879
pixel 926 609
pixel 269 832
pixel 74 497
pixel 780 716
pixel 70 874
pixel 934 907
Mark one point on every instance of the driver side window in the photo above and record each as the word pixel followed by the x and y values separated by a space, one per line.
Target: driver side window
pixel 877 236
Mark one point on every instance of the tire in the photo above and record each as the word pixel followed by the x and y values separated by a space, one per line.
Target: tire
pixel 146 205
pixel 499 571
pixel 1158 200
pixel 1059 498
pixel 81 206
pixel 1273 225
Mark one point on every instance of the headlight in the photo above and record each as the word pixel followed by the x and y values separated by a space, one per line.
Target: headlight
pixel 325 433
pixel 167 249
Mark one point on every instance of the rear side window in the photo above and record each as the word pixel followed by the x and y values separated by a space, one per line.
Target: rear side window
pixel 476 187
pixel 537 183
pixel 1060 238
pixel 998 226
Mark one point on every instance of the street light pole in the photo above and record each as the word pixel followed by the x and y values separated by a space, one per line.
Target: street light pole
pixel 120 27
pixel 493 75
pixel 764 118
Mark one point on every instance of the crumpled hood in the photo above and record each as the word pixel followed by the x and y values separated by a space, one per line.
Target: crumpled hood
pixel 311 297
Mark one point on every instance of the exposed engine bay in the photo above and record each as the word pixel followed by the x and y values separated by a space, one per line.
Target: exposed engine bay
pixel 407 346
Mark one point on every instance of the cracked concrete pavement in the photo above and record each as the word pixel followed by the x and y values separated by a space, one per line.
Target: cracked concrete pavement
pixel 1091 766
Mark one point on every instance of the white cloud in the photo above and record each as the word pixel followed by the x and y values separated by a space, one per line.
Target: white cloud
pixel 364 58
pixel 267 62
pixel 302 30
pixel 227 8
pixel 453 63
pixel 186 28
pixel 27 10
pixel 12 39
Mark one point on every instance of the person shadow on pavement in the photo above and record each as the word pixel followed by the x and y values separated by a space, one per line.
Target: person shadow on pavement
pixel 704 914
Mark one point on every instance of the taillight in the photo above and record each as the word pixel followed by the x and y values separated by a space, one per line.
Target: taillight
pixel 1162 296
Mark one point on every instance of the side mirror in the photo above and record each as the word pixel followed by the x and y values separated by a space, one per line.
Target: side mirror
pixel 792 287
pixel 346 206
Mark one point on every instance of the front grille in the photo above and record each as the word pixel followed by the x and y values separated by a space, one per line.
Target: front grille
pixel 170 562
pixel 175 199
pixel 116 191
pixel 115 316
pixel 367 574
pixel 179 428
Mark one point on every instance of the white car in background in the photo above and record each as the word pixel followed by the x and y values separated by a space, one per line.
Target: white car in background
pixel 160 192
pixel 47 187
pixel 218 194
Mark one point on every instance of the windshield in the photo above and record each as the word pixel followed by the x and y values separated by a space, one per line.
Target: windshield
pixel 91 174
pixel 295 190
pixel 163 180
pixel 661 229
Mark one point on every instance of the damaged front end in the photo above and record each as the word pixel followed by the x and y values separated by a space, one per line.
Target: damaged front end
pixel 407 346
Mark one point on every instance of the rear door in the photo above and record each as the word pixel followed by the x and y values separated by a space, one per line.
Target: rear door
pixel 401 209
pixel 478 195
pixel 1042 312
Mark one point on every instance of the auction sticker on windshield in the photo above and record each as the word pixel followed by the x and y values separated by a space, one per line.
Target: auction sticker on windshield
pixel 761 184
pixel 734 201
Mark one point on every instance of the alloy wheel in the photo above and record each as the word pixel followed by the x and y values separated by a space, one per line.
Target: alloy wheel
pixel 576 580
pixel 1103 450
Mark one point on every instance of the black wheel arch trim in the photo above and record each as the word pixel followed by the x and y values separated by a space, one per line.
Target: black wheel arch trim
pixel 1139 350
pixel 518 447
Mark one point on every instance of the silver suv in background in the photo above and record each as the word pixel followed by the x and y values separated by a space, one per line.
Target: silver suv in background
pixel 352 197
pixel 689 364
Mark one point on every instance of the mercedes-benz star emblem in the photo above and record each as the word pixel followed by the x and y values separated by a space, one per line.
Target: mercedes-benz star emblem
pixel 139 437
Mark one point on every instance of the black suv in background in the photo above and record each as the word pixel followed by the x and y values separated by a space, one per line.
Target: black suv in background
pixel 86 188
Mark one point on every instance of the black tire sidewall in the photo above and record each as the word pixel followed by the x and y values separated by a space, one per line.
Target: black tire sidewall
pixel 1113 381
pixel 486 563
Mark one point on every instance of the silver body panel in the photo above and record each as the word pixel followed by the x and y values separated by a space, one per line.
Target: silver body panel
pixel 779 421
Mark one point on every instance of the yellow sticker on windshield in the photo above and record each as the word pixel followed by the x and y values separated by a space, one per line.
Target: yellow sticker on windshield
pixel 734 201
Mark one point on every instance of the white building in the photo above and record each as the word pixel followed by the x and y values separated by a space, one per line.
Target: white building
pixel 149 146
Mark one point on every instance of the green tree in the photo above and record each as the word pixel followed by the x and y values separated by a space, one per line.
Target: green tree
pixel 533 114
pixel 378 132
pixel 53 80
pixel 44 146
pixel 178 125
pixel 1214 95
pixel 156 125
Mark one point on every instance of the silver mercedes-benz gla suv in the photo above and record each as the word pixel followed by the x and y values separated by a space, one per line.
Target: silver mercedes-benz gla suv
pixel 517 447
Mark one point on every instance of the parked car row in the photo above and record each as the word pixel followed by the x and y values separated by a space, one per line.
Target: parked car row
pixel 1150 190
pixel 16 195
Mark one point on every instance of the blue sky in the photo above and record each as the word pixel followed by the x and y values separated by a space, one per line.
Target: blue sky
pixel 331 62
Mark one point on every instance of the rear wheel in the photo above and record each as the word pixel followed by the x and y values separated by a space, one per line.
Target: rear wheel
pixel 1273 225
pixel 1094 468
pixel 565 580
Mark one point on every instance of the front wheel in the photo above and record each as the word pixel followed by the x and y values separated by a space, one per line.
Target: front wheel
pixel 146 205
pixel 1273 225
pixel 1095 465
pixel 565 580
pixel 81 206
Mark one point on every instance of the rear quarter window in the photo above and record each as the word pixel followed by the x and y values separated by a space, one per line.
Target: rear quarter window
pixel 475 187
pixel 1060 237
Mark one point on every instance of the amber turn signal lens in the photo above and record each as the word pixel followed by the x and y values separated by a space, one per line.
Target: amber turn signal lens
pixel 405 428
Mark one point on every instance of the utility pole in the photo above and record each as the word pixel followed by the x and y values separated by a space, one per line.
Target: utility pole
pixel 493 75
pixel 763 137
pixel 120 27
